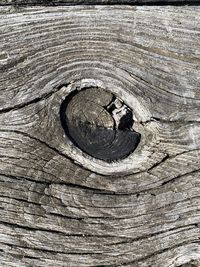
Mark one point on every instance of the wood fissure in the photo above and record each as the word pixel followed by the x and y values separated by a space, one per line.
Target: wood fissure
pixel 63 207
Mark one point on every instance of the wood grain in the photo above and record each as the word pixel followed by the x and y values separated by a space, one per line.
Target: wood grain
pixel 95 2
pixel 57 210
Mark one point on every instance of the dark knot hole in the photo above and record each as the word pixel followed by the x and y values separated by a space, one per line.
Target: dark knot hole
pixel 99 123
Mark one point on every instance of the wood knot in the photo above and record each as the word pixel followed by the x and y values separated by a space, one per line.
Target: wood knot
pixel 100 124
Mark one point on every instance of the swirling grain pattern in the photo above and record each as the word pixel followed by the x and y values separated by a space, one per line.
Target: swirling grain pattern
pixel 57 210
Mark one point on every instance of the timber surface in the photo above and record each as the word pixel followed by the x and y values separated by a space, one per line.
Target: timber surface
pixel 56 213
pixel 97 2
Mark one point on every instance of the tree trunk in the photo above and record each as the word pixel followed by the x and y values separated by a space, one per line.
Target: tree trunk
pixel 62 205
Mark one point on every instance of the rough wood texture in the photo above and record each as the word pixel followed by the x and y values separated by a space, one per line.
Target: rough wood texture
pixel 55 212
pixel 93 2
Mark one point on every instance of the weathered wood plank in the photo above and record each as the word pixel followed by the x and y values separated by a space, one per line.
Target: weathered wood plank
pixel 158 37
pixel 94 2
pixel 56 211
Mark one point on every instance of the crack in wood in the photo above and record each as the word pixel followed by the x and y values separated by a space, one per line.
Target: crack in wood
pixel 55 212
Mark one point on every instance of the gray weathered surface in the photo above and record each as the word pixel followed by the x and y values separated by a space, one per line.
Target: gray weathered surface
pixel 54 212
pixel 93 2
